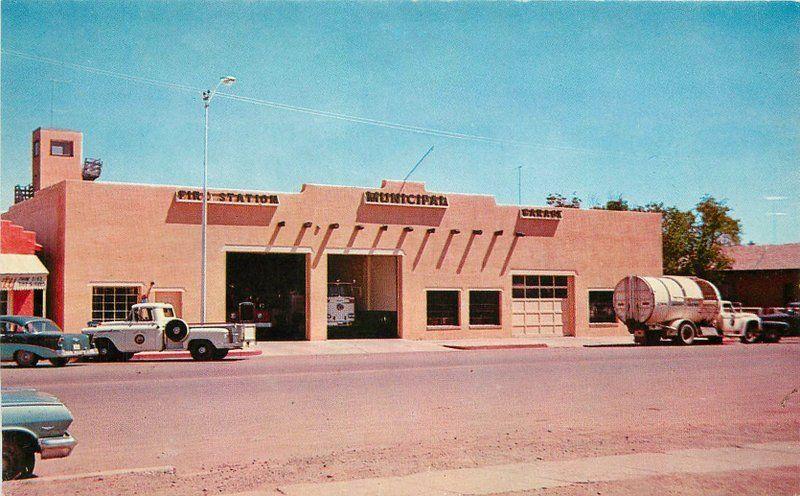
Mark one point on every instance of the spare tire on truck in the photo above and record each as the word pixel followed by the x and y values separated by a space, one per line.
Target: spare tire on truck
pixel 176 330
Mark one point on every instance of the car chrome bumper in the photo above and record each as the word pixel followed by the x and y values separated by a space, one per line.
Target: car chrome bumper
pixel 56 447
pixel 76 353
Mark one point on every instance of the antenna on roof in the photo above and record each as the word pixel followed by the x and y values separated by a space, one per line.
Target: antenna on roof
pixel 415 168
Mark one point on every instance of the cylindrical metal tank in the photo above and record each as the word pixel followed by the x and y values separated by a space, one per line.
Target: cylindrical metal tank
pixel 656 300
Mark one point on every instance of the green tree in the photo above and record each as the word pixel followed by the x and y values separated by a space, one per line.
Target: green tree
pixel 559 200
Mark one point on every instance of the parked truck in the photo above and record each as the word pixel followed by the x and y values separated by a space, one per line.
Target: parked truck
pixel 154 327
pixel 684 309
pixel 341 303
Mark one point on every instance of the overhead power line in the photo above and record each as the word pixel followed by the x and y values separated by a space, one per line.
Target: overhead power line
pixel 320 113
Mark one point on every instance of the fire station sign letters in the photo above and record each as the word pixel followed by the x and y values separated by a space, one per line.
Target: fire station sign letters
pixel 402 199
pixel 226 197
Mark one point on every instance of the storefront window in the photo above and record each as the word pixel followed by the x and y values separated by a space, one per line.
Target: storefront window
pixel 113 302
pixel 530 287
pixel 442 308
pixel 601 307
pixel 484 307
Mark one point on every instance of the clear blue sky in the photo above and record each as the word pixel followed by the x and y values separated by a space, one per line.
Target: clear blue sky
pixel 654 101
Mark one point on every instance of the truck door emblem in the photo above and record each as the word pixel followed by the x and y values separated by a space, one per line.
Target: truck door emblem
pixel 139 338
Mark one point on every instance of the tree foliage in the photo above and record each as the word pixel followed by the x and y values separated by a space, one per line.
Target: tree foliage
pixel 559 200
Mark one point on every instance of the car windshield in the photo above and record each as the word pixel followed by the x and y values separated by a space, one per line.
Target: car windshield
pixel 36 326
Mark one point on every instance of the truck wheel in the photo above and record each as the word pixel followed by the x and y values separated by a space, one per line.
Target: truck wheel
pixel 202 350
pixel 220 354
pixel 25 358
pixel 59 362
pixel 106 351
pixel 176 330
pixel 751 334
pixel 18 458
pixel 686 334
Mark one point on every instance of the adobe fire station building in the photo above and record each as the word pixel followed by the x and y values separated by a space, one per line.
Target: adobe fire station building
pixel 422 264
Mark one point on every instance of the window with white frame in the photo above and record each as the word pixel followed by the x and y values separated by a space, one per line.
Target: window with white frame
pixel 484 307
pixel 113 302
pixel 442 307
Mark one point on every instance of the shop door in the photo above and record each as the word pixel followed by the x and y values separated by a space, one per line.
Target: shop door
pixel 540 305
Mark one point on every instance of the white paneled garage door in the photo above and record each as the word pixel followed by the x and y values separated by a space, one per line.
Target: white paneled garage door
pixel 540 305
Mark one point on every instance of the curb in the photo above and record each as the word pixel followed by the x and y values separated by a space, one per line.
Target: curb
pixel 494 346
pixel 185 355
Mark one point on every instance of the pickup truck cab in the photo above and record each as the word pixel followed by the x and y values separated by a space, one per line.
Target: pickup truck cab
pixel 154 327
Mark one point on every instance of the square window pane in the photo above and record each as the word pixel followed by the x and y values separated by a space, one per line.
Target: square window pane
pixel 518 280
pixel 546 280
pixel 546 293
pixel 531 280
pixel 532 293
pixel 518 292
pixel 484 307
pixel 561 292
pixel 561 280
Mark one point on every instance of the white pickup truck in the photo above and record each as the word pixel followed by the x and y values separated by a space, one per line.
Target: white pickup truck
pixel 154 327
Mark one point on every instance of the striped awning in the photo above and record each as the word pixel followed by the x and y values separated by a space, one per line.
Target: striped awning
pixel 19 272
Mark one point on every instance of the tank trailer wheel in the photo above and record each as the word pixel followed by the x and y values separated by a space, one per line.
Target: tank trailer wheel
pixel 685 335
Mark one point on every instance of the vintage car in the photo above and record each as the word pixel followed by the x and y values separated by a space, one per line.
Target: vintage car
pixel 790 315
pixel 26 340
pixel 33 422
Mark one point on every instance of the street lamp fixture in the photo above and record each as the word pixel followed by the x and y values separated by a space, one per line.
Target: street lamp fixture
pixel 207 96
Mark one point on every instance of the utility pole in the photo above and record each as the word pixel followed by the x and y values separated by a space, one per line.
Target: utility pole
pixel 53 96
pixel 774 214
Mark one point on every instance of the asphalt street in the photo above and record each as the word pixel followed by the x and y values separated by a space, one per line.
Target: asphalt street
pixel 244 424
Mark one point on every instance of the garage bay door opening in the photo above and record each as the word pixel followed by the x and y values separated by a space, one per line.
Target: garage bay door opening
pixel 269 290
pixel 362 296
pixel 541 305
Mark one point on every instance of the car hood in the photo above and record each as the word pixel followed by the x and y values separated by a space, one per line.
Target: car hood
pixel 26 397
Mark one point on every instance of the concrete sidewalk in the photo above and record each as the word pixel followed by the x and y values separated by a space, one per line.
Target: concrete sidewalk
pixel 546 474
pixel 370 346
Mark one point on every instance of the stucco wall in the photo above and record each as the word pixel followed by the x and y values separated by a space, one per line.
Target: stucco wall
pixel 123 233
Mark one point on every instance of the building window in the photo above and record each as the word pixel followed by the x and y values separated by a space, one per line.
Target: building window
pixel 443 308
pixel 61 148
pixel 601 307
pixel 538 287
pixel 36 146
pixel 484 307
pixel 113 302
pixel 3 302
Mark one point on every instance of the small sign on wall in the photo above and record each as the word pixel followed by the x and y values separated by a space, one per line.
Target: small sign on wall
pixel 540 213
pixel 227 197
pixel 405 200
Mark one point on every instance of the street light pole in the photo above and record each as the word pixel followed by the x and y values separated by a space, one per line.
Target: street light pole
pixel 208 95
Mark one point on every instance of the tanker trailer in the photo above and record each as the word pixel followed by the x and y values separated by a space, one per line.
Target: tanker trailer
pixel 680 308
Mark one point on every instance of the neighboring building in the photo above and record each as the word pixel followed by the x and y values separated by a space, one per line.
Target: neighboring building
pixel 423 264
pixel 763 275
pixel 23 277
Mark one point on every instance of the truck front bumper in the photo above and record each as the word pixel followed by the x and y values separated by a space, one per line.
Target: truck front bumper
pixel 76 353
pixel 56 447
